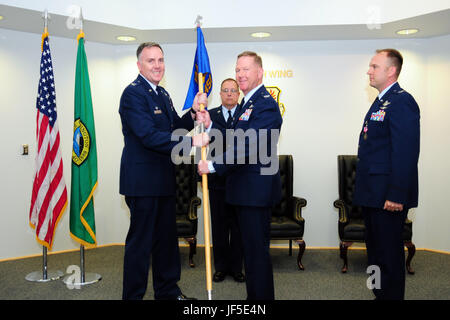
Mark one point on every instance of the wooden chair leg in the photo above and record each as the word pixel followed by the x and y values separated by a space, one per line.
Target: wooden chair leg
pixel 343 248
pixel 301 250
pixel 192 250
pixel 411 251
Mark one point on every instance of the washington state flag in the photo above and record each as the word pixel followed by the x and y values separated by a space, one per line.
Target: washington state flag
pixel 84 156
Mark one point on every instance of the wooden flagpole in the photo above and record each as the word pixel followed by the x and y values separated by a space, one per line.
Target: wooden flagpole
pixel 206 223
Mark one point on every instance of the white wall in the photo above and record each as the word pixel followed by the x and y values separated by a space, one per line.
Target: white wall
pixel 434 211
pixel 325 99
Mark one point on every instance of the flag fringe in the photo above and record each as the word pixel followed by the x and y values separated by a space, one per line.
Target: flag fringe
pixel 43 242
pixel 44 35
pixel 85 223
pixel 82 242
pixel 80 35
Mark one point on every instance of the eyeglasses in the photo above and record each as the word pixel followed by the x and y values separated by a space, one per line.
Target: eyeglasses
pixel 229 90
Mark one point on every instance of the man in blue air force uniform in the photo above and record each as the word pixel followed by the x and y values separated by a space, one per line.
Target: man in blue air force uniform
pixel 227 247
pixel 147 178
pixel 386 183
pixel 253 187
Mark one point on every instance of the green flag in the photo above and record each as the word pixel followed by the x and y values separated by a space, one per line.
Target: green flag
pixel 84 156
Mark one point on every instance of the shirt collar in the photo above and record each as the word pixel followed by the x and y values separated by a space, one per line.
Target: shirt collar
pixel 225 110
pixel 150 83
pixel 251 92
pixel 385 90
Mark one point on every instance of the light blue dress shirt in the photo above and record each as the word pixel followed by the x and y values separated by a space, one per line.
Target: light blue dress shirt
pixel 385 90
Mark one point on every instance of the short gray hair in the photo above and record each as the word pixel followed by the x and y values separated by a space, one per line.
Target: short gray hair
pixel 255 56
pixel 144 45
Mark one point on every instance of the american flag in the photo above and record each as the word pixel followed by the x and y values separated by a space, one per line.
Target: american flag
pixel 49 195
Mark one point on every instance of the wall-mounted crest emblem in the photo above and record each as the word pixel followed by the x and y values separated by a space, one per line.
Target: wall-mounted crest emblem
pixel 275 93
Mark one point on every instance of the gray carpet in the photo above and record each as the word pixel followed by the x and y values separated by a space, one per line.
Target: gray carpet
pixel 321 279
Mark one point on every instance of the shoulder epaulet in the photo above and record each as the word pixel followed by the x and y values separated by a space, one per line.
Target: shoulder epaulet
pixel 164 91
pixel 135 83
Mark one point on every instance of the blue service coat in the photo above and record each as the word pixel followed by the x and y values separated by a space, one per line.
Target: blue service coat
pixel 245 185
pixel 148 120
pixel 388 152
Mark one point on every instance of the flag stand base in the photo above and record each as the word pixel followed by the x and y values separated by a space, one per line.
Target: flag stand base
pixel 89 278
pixel 85 278
pixel 37 276
pixel 44 275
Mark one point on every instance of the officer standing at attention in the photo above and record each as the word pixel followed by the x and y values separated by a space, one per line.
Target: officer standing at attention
pixel 386 184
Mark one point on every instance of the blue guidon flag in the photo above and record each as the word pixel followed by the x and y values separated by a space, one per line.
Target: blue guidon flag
pixel 201 65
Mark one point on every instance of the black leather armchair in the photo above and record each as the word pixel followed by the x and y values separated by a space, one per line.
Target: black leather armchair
pixel 287 222
pixel 351 222
pixel 187 204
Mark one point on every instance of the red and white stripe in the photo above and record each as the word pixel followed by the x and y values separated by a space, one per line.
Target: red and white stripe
pixel 49 195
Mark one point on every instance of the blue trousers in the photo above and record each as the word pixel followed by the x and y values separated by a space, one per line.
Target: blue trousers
pixel 227 246
pixel 385 248
pixel 152 235
pixel 254 223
